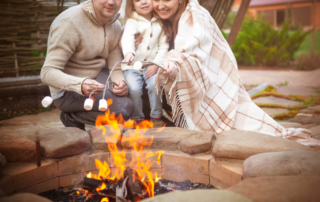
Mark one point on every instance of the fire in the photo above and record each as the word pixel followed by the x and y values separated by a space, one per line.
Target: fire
pixel 140 159
pixel 105 199
pixel 103 186
pixel 89 175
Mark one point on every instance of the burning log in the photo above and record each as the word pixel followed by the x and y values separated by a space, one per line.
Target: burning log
pixel 136 189
pixel 130 187
pixel 94 185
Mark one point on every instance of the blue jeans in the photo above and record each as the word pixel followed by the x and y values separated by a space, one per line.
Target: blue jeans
pixel 135 80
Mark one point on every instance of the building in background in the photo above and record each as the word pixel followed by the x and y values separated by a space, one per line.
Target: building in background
pixel 301 12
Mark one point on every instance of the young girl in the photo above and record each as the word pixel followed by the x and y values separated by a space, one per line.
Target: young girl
pixel 153 48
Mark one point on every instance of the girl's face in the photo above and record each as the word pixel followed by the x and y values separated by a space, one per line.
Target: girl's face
pixel 166 9
pixel 144 8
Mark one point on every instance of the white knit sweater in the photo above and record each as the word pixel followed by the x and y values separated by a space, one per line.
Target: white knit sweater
pixel 154 45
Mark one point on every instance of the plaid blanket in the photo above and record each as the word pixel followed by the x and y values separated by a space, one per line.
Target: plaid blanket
pixel 207 93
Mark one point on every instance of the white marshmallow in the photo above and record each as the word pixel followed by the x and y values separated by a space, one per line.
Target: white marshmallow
pixel 137 65
pixel 46 101
pixel 88 104
pixel 103 106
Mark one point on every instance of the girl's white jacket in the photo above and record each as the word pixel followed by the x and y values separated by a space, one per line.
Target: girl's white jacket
pixel 154 45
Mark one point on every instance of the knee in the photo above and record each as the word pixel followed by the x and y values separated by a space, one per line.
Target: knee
pixel 135 92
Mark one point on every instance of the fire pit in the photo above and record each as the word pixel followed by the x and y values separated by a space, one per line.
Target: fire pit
pixel 131 180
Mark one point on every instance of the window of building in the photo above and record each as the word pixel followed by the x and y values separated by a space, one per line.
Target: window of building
pixel 280 16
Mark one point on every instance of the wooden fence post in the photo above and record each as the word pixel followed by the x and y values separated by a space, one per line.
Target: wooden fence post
pixel 238 21
pixel 314 25
pixel 218 9
pixel 15 60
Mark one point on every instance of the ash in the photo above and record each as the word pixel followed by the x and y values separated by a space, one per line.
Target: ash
pixel 69 194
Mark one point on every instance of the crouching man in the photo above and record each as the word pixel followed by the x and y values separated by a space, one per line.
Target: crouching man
pixel 82 49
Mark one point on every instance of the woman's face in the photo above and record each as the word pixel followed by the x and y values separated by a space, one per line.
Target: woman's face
pixel 166 9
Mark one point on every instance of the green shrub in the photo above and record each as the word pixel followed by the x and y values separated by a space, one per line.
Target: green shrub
pixel 258 43
pixel 308 61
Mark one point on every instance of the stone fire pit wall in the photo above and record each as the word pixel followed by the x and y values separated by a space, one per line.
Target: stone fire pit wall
pixel 177 166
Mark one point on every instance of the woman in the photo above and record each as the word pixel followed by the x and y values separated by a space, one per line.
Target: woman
pixel 202 80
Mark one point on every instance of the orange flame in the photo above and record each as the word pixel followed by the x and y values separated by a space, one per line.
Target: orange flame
pixel 103 186
pixel 140 158
pixel 105 199
pixel 93 99
pixel 89 175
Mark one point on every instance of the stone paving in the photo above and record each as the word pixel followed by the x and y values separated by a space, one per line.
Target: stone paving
pixel 294 78
pixel 223 160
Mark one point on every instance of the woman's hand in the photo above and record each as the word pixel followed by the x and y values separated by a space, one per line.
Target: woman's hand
pixel 120 88
pixel 129 57
pixel 137 40
pixel 89 85
pixel 152 70
pixel 171 69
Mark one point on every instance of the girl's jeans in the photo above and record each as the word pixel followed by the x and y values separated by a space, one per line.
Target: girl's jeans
pixel 135 80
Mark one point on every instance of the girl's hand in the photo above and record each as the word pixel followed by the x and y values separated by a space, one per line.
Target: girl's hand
pixel 171 71
pixel 129 57
pixel 138 39
pixel 152 70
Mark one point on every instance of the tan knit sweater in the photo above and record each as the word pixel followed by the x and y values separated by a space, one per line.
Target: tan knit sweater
pixel 79 47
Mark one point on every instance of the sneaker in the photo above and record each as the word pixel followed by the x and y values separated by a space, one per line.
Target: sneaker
pixel 157 123
pixel 68 121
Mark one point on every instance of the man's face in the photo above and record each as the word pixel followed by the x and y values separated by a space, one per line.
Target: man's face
pixel 106 9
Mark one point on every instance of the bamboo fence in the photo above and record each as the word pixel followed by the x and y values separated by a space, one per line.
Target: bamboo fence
pixel 24 28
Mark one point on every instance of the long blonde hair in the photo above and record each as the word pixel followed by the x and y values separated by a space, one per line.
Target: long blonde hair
pixel 171 28
pixel 129 10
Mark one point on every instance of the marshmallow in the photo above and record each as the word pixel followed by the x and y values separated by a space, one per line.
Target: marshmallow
pixel 88 104
pixel 103 106
pixel 46 101
pixel 137 65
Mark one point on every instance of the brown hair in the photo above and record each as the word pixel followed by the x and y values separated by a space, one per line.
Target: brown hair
pixel 171 28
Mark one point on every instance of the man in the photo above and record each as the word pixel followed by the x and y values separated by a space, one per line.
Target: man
pixel 82 49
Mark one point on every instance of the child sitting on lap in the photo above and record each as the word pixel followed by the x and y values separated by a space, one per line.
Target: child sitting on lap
pixel 153 48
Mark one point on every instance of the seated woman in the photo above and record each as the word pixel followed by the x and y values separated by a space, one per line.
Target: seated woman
pixel 202 80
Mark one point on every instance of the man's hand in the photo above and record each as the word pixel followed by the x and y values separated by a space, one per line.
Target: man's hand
pixel 129 57
pixel 138 39
pixel 89 85
pixel 120 89
pixel 152 70
pixel 171 69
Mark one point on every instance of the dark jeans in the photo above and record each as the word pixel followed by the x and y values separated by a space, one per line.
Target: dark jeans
pixel 74 103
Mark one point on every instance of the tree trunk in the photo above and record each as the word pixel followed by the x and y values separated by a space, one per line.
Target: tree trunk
pixel 238 21
pixel 218 9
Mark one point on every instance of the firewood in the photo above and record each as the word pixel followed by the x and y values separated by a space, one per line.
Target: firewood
pixel 91 184
pixel 136 189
